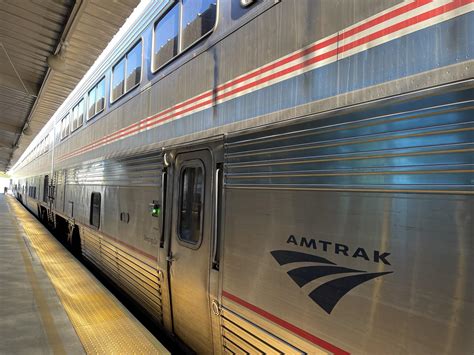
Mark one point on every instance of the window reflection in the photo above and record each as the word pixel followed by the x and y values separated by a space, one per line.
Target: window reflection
pixel 118 72
pixel 100 96
pixel 134 67
pixel 74 117
pixel 199 17
pixel 65 126
pixel 166 37
pixel 91 101
pixel 80 114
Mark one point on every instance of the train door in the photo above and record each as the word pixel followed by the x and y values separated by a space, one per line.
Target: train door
pixel 190 249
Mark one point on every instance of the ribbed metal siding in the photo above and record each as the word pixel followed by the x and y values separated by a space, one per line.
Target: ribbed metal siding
pixel 140 280
pixel 140 170
pixel 413 145
pixel 241 336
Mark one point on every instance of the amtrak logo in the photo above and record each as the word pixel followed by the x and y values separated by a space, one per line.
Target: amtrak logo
pixel 328 294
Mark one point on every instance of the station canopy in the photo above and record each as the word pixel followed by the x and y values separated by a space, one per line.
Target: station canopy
pixel 46 47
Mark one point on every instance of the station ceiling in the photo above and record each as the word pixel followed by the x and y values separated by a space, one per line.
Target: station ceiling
pixel 46 47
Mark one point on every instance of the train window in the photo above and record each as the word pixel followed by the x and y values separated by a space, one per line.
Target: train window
pixel 199 18
pixel 100 96
pixel 65 126
pixel 45 188
pixel 191 203
pixel 130 64
pixel 166 37
pixel 91 102
pixel 94 219
pixel 78 115
pixel 118 73
pixel 58 131
pixel 49 141
pixel 32 191
pixel 134 67
pixel 96 99
pixel 73 119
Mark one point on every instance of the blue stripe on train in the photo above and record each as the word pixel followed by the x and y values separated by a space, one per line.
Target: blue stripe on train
pixel 452 42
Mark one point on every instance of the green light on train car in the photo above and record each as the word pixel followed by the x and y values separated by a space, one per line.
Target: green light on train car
pixel 155 212
pixel 155 208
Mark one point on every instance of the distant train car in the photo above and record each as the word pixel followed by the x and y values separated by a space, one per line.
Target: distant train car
pixel 286 176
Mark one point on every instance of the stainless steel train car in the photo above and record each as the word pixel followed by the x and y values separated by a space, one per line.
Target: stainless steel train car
pixel 269 176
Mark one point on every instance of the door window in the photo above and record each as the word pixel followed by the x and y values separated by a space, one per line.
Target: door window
pixel 190 204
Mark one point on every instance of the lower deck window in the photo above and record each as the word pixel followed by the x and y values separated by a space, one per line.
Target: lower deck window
pixel 95 209
pixel 191 202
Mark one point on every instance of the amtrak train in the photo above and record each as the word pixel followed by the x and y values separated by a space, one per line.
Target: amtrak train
pixel 276 176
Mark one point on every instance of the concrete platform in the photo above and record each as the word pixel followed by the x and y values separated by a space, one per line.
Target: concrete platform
pixel 50 303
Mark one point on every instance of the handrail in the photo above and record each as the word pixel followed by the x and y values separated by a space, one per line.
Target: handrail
pixel 215 261
pixel 162 215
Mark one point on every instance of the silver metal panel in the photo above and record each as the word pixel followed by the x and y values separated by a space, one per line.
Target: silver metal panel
pixel 240 333
pixel 141 281
pixel 423 306
pixel 420 145
pixel 190 264
pixel 331 188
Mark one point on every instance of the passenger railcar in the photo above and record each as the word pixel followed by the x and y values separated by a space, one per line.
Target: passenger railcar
pixel 286 176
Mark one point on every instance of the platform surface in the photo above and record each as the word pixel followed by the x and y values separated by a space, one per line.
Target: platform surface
pixel 51 304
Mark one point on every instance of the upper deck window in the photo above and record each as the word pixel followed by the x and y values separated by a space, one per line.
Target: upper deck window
pixel 49 141
pixel 166 42
pixel 134 67
pixel 131 65
pixel 91 102
pixel 100 96
pixel 199 18
pixel 118 73
pixel 78 115
pixel 65 126
pixel 96 99
pixel 58 131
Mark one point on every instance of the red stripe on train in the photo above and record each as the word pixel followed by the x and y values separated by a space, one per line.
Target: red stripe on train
pixel 153 120
pixel 146 122
pixel 284 324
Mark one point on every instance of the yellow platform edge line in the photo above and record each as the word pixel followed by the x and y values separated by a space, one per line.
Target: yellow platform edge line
pixel 50 329
pixel 103 325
